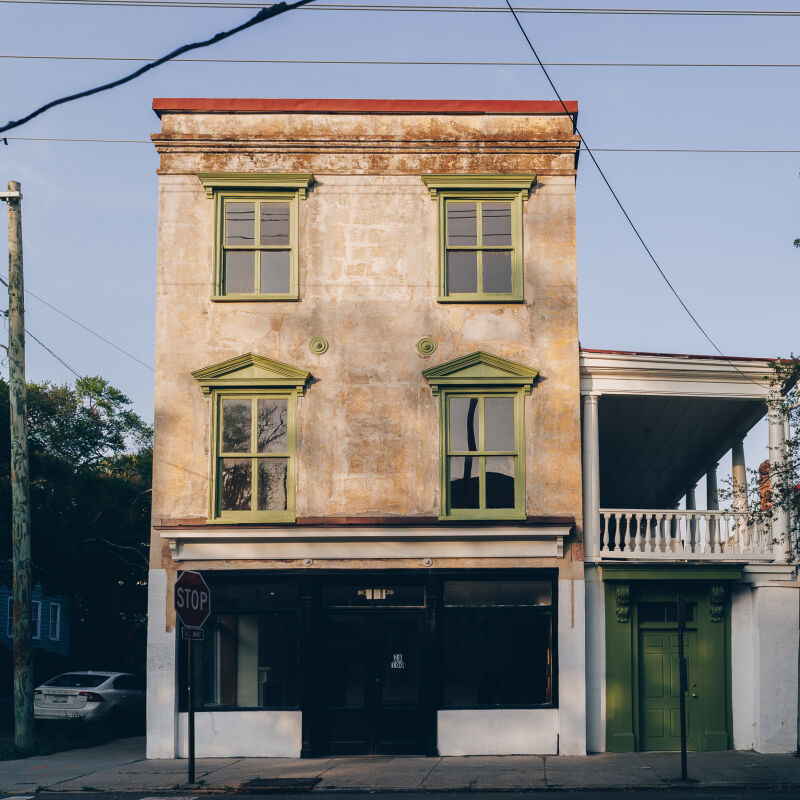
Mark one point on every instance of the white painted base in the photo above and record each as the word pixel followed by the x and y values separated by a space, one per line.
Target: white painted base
pixel 243 734
pixel 571 723
pixel 161 694
pixel 498 732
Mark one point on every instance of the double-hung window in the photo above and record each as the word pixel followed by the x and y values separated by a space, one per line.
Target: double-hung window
pixel 255 450
pixel 253 438
pixel 256 238
pixel 482 436
pixel 480 223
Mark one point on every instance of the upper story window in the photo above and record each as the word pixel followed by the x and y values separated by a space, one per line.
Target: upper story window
pixel 480 236
pixel 253 438
pixel 256 234
pixel 482 436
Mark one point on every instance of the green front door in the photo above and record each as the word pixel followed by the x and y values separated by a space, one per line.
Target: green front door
pixel 659 693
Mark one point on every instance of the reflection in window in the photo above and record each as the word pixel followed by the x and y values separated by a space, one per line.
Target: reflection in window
pixel 257 248
pixel 254 458
pixel 479 248
pixel 482 457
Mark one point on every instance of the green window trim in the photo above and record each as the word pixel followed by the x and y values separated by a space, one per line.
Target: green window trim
pixel 480 190
pixel 481 376
pixel 261 189
pixel 252 378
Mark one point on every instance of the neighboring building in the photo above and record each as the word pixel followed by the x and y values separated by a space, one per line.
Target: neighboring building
pixel 368 440
pixel 50 617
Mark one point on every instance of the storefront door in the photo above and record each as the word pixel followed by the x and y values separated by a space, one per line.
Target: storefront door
pixel 371 682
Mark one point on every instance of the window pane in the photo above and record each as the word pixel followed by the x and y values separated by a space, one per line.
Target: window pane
pixel 240 274
pixel 462 227
pixel 496 219
pixel 249 661
pixel 272 432
pixel 463 422
pixel 498 593
pixel 276 271
pixel 499 423
pixel 462 271
pixel 272 484
pixel 274 223
pixel 240 223
pixel 236 422
pixel 496 658
pixel 497 271
pixel 464 482
pixel 500 482
pixel 253 596
pixel 236 484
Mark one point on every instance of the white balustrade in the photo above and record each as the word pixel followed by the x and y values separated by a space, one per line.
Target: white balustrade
pixel 675 534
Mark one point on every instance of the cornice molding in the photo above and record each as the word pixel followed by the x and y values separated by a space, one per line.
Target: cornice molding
pixel 250 371
pixel 480 369
pixel 292 181
pixel 512 183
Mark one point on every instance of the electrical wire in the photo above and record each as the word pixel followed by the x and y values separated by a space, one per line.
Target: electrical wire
pixel 124 352
pixel 390 62
pixel 449 9
pixel 610 188
pixel 38 341
pixel 263 14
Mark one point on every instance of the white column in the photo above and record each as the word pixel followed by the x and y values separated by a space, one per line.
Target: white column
pixel 591 477
pixel 162 697
pixel 739 475
pixel 712 500
pixel 691 505
pixel 572 667
pixel 777 455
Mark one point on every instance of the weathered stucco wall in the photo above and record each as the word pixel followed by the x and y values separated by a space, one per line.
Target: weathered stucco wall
pixel 368 440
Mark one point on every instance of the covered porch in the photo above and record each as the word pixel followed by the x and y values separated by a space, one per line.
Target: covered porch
pixel 654 425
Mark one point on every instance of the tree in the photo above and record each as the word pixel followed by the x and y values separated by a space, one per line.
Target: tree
pixel 90 465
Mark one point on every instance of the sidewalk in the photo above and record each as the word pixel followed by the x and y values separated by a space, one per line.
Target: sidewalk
pixel 120 766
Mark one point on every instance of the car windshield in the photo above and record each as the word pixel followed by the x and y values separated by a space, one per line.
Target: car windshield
pixel 76 680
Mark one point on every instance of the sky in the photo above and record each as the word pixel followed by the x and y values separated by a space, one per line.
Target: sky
pixel 720 224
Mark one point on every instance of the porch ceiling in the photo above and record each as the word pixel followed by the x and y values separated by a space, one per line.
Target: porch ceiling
pixel 653 447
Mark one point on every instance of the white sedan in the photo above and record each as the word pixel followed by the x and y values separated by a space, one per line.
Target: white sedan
pixel 94 696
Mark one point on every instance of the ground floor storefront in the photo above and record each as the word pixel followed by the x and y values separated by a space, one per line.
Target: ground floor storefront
pixel 426 662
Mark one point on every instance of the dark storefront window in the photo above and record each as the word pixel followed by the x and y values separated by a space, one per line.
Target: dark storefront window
pixel 497 644
pixel 250 657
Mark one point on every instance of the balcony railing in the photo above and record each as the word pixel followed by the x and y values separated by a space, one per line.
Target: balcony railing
pixel 686 535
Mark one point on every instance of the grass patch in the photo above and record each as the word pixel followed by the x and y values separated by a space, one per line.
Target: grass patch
pixel 51 736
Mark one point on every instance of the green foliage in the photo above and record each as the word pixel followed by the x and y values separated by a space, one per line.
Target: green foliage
pixel 90 467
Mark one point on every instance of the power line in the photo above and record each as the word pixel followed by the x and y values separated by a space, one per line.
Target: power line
pixel 698 150
pixel 265 13
pixel 451 9
pixel 42 344
pixel 649 252
pixel 4 281
pixel 405 63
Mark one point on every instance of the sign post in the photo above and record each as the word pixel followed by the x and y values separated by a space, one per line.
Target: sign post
pixel 684 681
pixel 193 607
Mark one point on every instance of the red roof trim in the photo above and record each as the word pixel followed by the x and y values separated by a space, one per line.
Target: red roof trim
pixel 216 105
pixel 676 355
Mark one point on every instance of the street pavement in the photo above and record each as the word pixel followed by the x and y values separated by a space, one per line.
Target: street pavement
pixel 120 766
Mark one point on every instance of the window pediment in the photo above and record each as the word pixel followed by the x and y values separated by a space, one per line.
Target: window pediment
pixel 251 371
pixel 480 369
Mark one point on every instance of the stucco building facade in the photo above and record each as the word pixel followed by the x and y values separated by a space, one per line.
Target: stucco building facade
pixel 370 404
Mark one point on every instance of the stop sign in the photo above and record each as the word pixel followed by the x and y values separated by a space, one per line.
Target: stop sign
pixel 192 599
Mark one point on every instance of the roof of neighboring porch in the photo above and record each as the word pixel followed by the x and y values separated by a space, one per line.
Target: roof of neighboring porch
pixel 664 419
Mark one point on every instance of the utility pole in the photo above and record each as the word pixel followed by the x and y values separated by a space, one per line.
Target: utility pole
pixel 20 492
